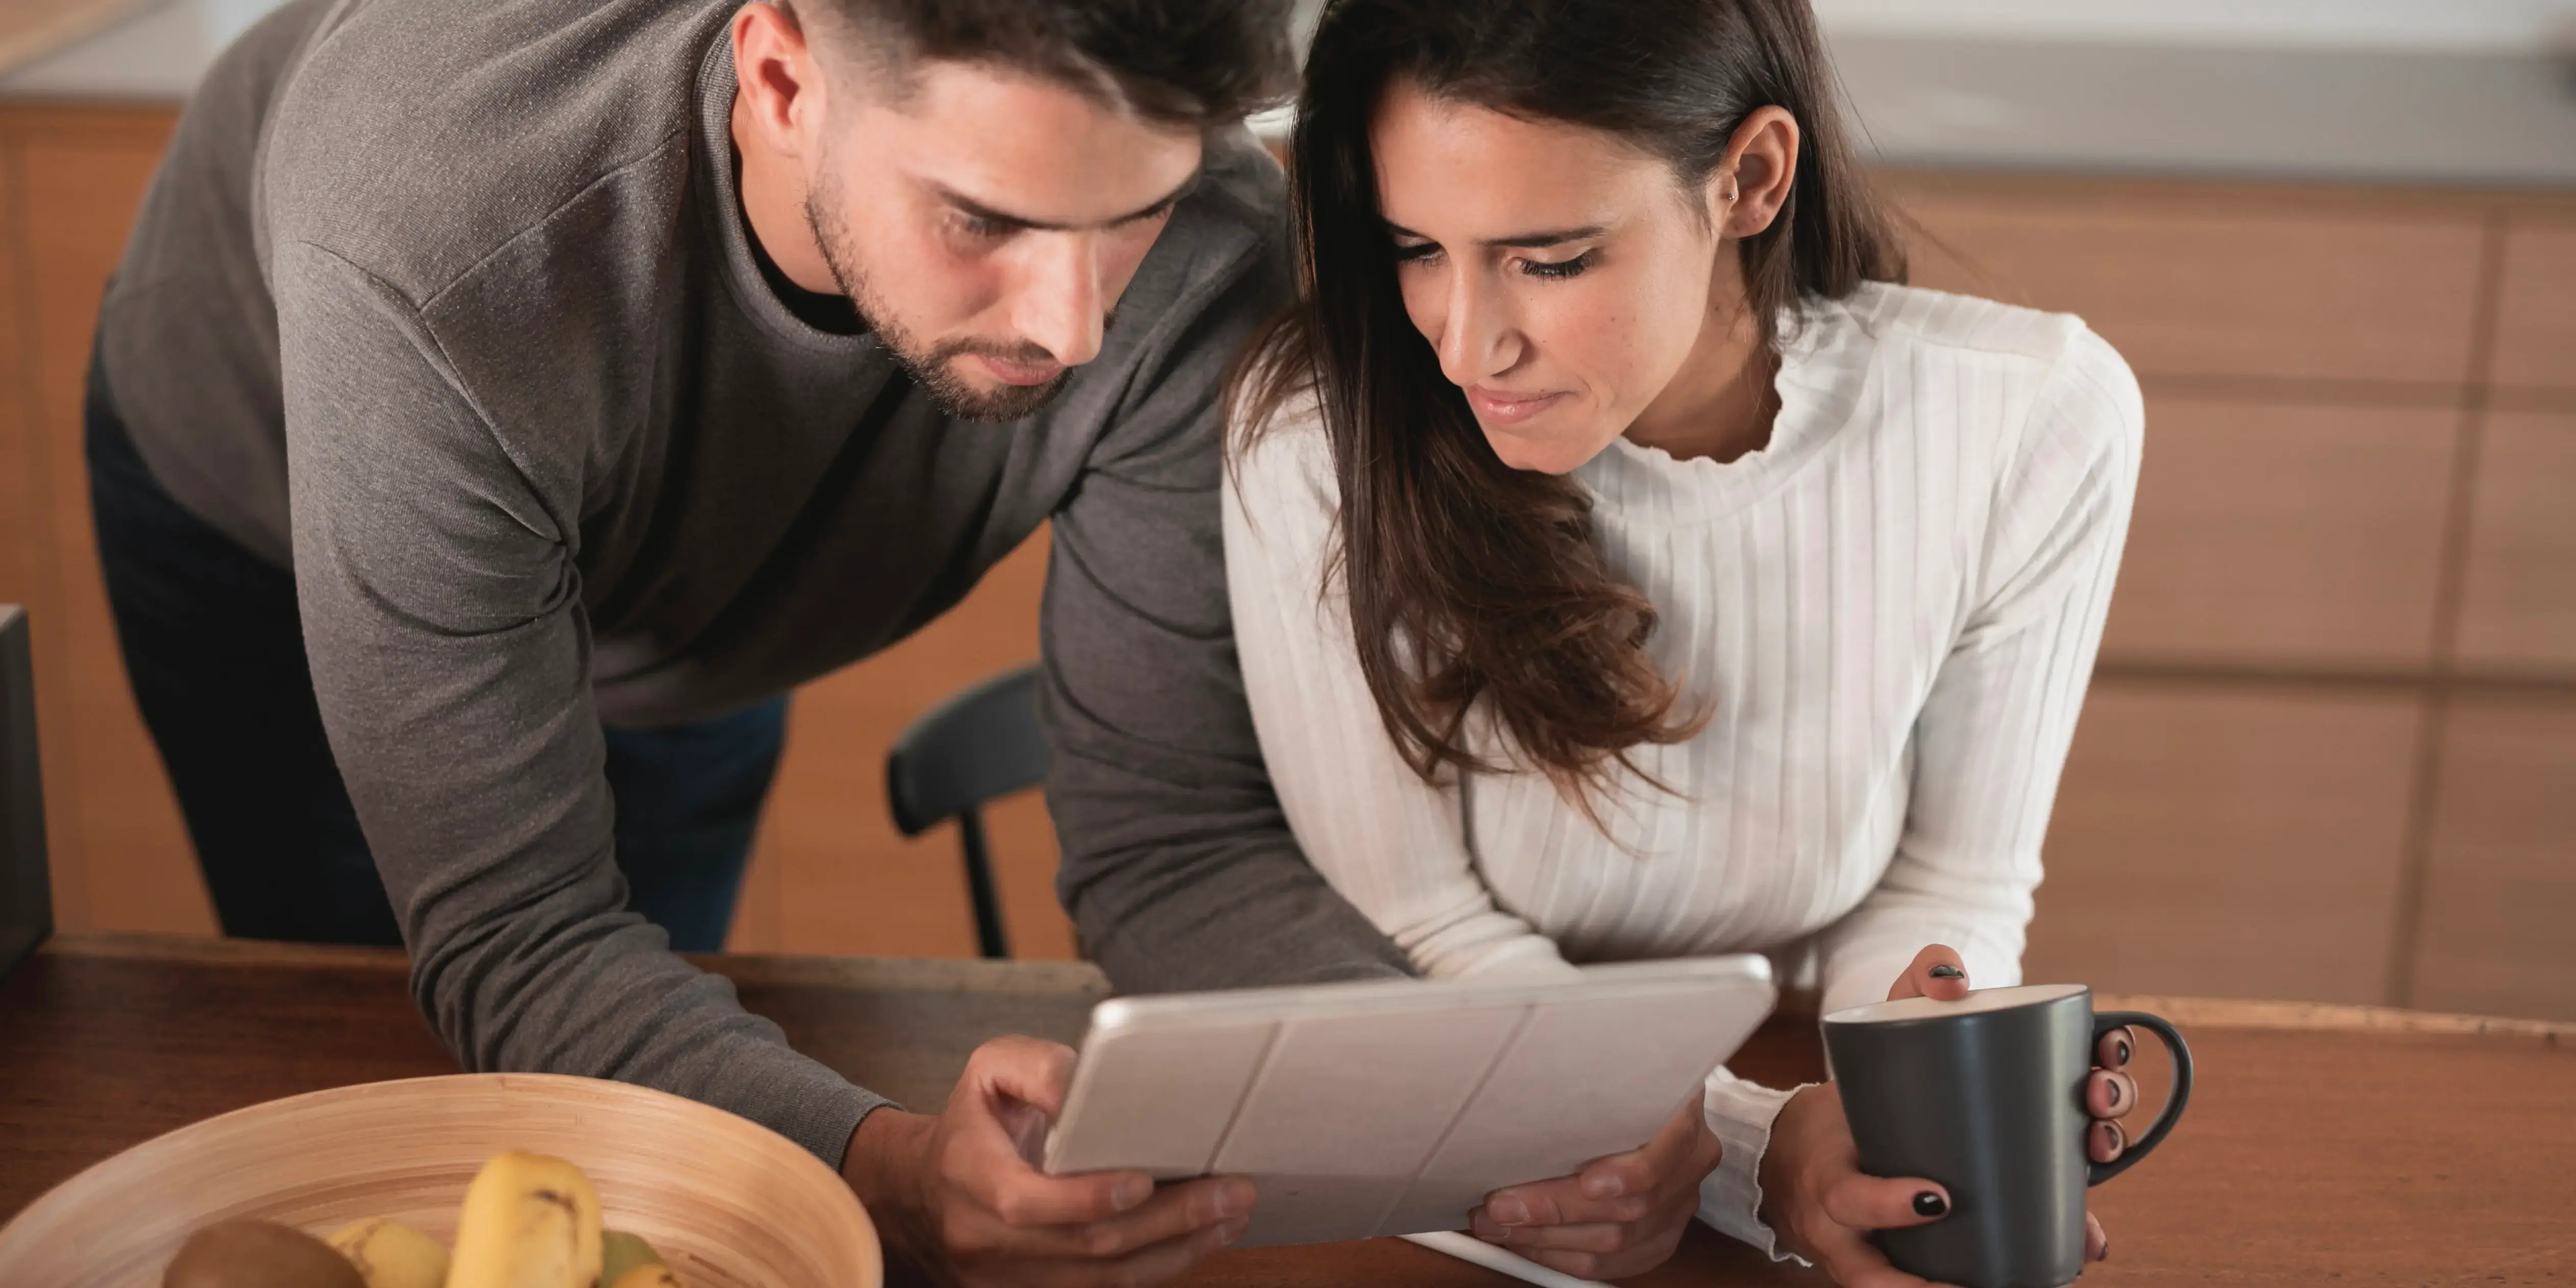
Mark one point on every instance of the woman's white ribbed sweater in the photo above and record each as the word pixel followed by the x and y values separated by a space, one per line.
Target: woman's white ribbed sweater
pixel 1891 610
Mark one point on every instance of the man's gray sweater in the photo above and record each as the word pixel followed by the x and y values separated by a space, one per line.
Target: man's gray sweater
pixel 450 306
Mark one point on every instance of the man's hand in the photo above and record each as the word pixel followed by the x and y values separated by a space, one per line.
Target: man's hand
pixel 1620 1216
pixel 959 1195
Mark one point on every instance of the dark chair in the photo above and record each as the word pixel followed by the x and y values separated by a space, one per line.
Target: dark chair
pixel 975 747
pixel 26 895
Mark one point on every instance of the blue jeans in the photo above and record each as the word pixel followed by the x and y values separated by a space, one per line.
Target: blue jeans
pixel 215 648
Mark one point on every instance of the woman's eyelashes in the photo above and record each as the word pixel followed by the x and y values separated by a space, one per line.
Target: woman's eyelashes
pixel 1558 268
pixel 1425 252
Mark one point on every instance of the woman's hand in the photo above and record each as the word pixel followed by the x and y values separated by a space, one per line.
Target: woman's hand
pixel 1823 1207
pixel 1620 1216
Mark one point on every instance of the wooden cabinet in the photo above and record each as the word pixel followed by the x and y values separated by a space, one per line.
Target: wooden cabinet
pixel 2328 748
pixel 2310 764
pixel 2518 609
pixel 2536 322
pixel 120 854
pixel 2285 535
pixel 2216 840
pixel 2496 935
pixel 2196 279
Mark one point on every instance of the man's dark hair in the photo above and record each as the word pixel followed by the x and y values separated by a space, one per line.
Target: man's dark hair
pixel 1203 63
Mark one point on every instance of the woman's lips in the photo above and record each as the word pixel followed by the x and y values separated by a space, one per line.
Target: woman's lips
pixel 1502 408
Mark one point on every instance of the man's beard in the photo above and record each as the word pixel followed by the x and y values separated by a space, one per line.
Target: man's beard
pixel 930 369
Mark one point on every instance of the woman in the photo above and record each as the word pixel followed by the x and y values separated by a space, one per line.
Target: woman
pixel 1626 565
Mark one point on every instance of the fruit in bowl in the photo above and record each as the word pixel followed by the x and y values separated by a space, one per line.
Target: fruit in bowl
pixel 529 1221
pixel 378 1170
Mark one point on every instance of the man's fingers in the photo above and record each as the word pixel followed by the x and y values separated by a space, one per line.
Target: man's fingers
pixel 1176 1212
pixel 1937 972
pixel 1157 1264
pixel 2097 1242
pixel 1023 1197
pixel 1028 1070
pixel 1877 1203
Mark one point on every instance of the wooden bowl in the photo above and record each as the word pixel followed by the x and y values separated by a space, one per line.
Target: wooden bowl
pixel 729 1202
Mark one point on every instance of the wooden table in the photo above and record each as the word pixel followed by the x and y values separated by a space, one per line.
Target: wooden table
pixel 2324 1144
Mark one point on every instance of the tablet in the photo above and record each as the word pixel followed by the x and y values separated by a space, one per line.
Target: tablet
pixel 1395 1106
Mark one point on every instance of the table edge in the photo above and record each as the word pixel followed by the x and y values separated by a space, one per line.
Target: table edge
pixel 1027 977
pixel 1082 979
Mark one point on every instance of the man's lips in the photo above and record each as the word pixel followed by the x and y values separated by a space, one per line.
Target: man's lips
pixel 1012 372
pixel 1501 407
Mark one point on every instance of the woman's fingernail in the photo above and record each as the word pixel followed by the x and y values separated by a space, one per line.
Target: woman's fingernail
pixel 2124 1051
pixel 1509 1211
pixel 1131 1191
pixel 2106 1247
pixel 1946 971
pixel 1928 1203
pixel 2115 1092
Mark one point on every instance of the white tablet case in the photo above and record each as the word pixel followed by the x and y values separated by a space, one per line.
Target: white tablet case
pixel 1395 1107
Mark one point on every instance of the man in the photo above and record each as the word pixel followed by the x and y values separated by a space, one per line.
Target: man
pixel 502 402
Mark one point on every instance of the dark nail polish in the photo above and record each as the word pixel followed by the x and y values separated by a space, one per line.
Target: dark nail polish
pixel 2124 1050
pixel 1928 1203
pixel 2115 1093
pixel 1947 972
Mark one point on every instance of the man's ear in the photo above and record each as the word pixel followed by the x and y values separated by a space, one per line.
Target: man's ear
pixel 1754 181
pixel 778 78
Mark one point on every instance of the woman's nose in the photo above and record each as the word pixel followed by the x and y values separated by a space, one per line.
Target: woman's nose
pixel 1475 339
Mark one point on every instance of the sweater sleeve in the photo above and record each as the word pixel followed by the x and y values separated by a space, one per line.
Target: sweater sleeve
pixel 1392 844
pixel 451 660
pixel 1993 733
pixel 1178 866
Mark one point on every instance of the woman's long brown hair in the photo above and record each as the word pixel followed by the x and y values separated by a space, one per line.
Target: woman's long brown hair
pixel 1474 587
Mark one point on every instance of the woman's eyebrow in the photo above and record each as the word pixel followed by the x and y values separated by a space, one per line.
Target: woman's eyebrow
pixel 1517 241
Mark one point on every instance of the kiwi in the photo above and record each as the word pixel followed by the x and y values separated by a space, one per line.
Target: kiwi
pixel 258 1254
pixel 621 1252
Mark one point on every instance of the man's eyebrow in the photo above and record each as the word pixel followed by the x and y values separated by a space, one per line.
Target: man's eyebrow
pixel 1520 241
pixel 978 210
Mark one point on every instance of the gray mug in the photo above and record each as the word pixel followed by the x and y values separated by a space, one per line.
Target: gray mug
pixel 1985 1095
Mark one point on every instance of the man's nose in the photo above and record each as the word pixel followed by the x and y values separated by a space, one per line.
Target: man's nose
pixel 1061 308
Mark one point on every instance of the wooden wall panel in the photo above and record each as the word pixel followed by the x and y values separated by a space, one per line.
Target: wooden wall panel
pixel 27 565
pixel 84 174
pixel 2284 536
pixel 2499 929
pixel 2536 323
pixel 2518 602
pixel 844 881
pixel 2228 841
pixel 2201 283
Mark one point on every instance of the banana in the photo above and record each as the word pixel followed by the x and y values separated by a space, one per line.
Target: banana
pixel 529 1221
pixel 647 1277
pixel 389 1254
pixel 619 1253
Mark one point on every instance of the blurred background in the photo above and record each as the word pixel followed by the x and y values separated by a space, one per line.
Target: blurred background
pixel 2330 752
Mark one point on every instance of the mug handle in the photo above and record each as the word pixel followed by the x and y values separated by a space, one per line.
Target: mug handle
pixel 2174 1100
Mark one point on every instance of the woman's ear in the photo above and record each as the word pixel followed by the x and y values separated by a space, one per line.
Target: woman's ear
pixel 1755 179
